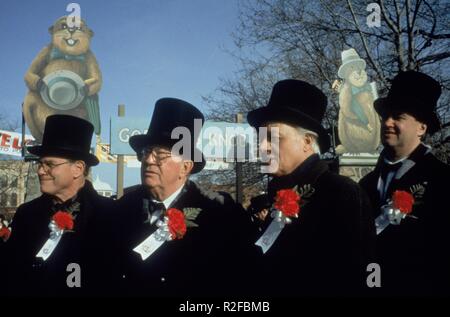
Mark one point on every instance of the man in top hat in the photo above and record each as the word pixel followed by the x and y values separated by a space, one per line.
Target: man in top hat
pixel 413 239
pixel 317 235
pixel 176 238
pixel 62 225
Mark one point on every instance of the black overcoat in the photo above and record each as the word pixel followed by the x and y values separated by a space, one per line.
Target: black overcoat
pixel 414 255
pixel 209 260
pixel 325 251
pixel 29 275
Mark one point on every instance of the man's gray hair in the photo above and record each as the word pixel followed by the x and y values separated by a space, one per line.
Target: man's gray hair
pixel 315 138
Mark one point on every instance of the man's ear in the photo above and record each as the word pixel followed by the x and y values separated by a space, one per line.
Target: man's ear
pixel 308 140
pixel 422 129
pixel 187 168
pixel 79 168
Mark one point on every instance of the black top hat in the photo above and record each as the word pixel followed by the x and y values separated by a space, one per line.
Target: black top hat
pixel 68 137
pixel 295 102
pixel 169 114
pixel 414 93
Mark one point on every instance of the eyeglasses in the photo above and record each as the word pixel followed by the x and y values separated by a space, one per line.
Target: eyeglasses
pixel 156 153
pixel 47 166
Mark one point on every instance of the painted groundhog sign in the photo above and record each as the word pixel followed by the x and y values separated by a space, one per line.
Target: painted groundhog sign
pixel 64 78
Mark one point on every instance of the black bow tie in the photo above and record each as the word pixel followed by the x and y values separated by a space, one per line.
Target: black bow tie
pixel 70 206
pixel 157 207
pixel 152 208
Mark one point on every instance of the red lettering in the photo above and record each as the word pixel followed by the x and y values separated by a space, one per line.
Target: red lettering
pixel 5 139
pixel 16 144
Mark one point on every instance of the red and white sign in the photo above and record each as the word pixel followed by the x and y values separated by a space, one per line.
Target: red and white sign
pixel 11 142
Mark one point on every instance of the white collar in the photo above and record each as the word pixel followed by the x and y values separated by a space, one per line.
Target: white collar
pixel 169 200
pixel 392 163
pixel 404 158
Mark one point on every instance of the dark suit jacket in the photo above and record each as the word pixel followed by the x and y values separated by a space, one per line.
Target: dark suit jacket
pixel 414 255
pixel 209 260
pixel 29 275
pixel 325 250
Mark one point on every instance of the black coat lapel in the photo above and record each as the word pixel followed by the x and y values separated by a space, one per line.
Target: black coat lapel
pixel 307 173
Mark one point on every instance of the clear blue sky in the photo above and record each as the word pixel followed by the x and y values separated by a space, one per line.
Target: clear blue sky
pixel 147 49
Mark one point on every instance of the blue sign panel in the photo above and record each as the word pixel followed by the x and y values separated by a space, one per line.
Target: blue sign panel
pixel 122 128
pixel 216 139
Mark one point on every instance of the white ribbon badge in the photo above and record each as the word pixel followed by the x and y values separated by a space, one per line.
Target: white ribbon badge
pixel 273 231
pixel 389 215
pixel 155 240
pixel 52 242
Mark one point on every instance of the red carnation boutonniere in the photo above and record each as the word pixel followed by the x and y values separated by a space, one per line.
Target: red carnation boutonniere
pixel 287 205
pixel 287 201
pixel 5 233
pixel 403 201
pixel 172 227
pixel 398 208
pixel 63 220
pixel 175 223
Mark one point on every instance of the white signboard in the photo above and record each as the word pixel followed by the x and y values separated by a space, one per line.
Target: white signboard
pixel 11 142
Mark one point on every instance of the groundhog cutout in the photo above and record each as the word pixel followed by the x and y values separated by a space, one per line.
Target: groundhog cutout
pixel 64 78
pixel 358 123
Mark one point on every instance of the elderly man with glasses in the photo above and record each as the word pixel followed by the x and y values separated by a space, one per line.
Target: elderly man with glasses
pixel 177 239
pixel 57 233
